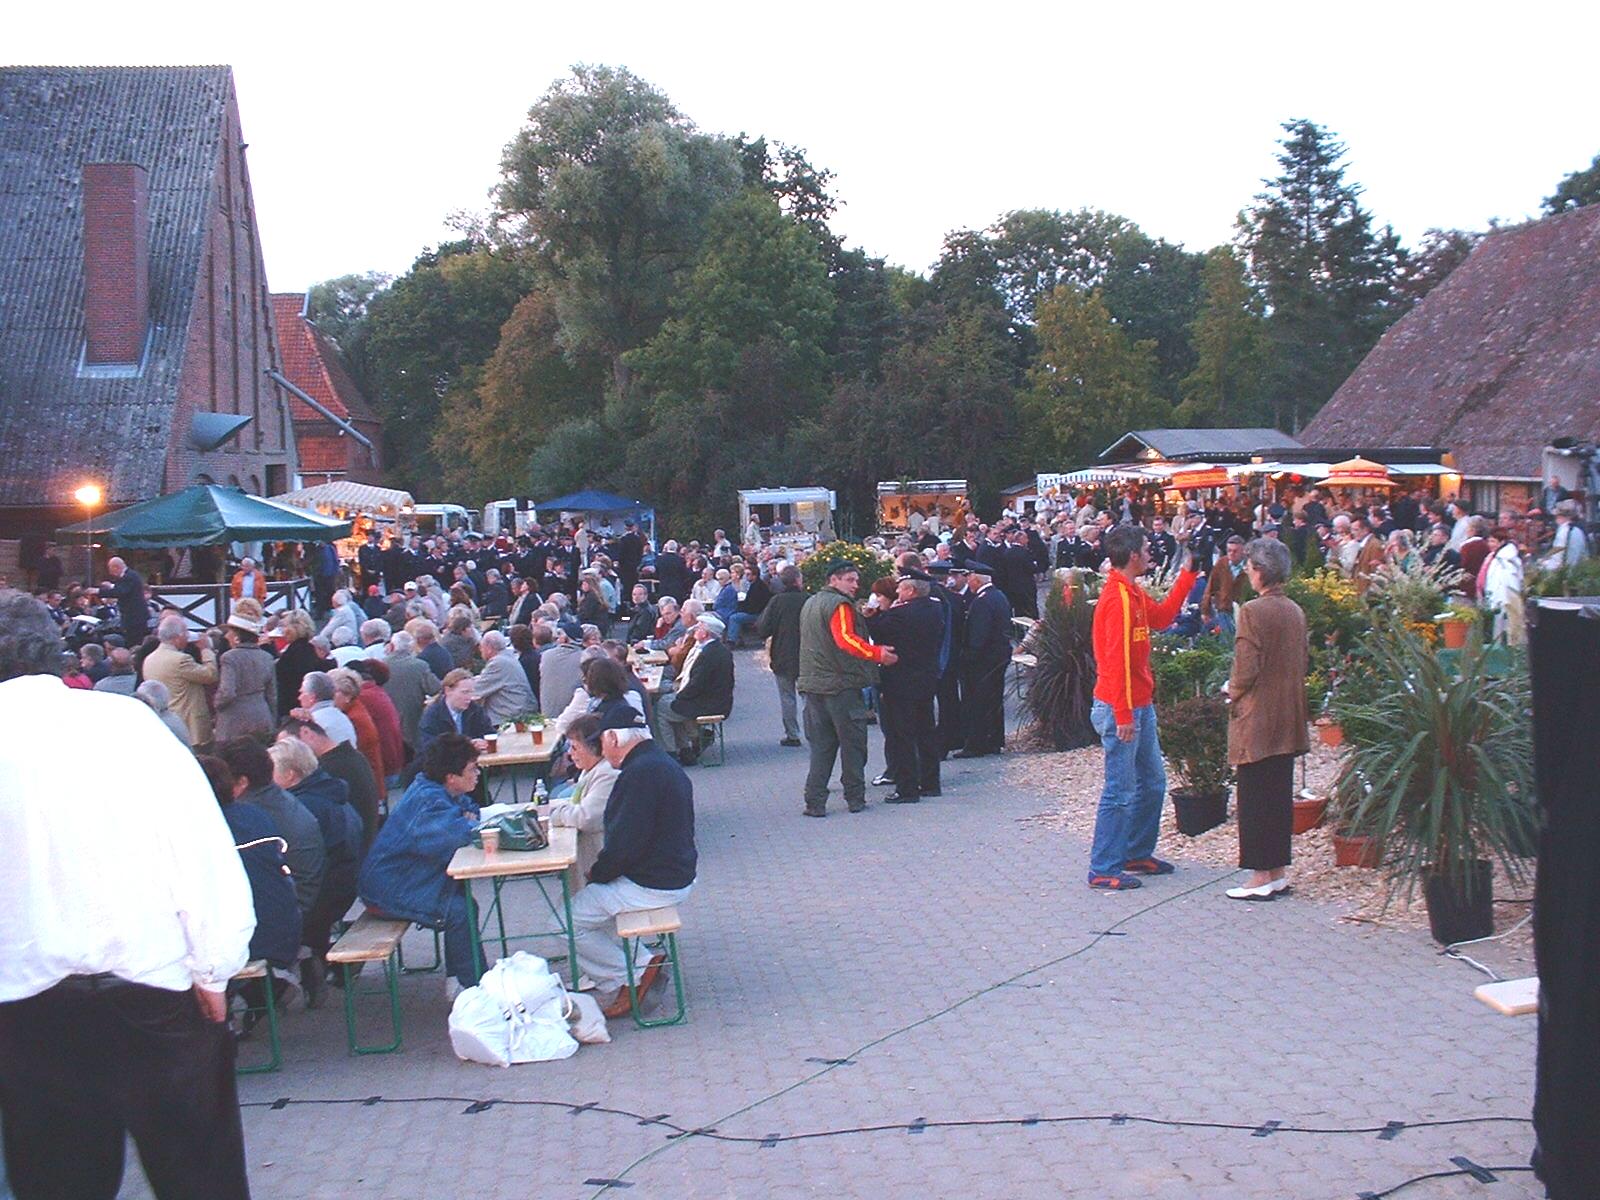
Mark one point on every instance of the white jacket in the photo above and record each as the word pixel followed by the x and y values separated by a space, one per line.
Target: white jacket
pixel 1503 579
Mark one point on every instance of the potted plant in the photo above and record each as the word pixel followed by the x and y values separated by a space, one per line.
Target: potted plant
pixel 523 722
pixel 1060 689
pixel 1442 773
pixel 1194 739
pixel 1309 811
pixel 1351 846
pixel 1455 622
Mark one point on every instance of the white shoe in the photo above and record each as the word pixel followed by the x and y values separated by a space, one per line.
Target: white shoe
pixel 1265 892
pixel 452 989
pixel 1280 885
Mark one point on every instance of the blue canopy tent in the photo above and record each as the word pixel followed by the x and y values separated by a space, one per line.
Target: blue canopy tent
pixel 601 511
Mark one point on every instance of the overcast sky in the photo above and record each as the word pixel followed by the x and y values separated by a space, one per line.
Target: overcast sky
pixel 369 124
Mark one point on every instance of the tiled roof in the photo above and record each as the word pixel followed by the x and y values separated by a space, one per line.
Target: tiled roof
pixel 1501 357
pixel 1198 443
pixel 312 362
pixel 55 427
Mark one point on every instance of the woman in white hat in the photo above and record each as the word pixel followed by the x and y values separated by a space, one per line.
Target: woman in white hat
pixel 247 690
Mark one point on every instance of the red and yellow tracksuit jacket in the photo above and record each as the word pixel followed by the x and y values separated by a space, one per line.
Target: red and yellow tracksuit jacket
pixel 1123 618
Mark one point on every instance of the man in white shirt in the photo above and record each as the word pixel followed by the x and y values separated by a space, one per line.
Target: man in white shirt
pixel 124 914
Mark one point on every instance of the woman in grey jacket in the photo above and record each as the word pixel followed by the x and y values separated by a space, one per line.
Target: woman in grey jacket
pixel 247 687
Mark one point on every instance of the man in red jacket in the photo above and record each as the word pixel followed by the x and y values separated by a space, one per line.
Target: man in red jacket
pixel 1124 714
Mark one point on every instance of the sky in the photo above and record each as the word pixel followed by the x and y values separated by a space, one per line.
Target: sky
pixel 369 125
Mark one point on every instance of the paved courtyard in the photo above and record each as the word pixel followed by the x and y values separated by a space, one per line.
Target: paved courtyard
pixel 926 1001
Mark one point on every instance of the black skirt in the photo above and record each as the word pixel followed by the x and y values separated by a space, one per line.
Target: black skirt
pixel 1266 812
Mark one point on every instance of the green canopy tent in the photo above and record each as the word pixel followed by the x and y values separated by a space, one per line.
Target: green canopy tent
pixel 207 514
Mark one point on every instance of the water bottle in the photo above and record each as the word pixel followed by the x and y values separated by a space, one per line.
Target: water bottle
pixel 541 795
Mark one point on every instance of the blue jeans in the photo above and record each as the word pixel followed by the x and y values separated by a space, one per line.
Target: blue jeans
pixel 1136 783
pixel 738 622
pixel 458 931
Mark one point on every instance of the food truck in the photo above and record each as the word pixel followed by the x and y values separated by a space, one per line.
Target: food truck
pixel 801 516
pixel 904 505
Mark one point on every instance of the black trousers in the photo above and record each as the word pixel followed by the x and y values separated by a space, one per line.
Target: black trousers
pixel 951 733
pixel 334 898
pixel 983 707
pixel 1266 812
pixel 90 1061
pixel 911 744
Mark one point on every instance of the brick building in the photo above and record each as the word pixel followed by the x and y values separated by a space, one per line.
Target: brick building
pixel 137 343
pixel 339 438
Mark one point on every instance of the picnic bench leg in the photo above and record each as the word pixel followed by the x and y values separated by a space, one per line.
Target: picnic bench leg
pixel 274 1045
pixel 472 928
pixel 391 978
pixel 670 940
pixel 438 957
pixel 500 916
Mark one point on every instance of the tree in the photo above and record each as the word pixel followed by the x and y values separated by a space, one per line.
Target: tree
pixel 1425 268
pixel 1576 190
pixel 741 359
pixel 1225 389
pixel 1089 383
pixel 579 453
pixel 440 319
pixel 610 186
pixel 488 432
pixel 1327 277
pixel 338 308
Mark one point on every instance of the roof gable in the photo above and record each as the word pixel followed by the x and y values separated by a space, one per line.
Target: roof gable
pixel 313 363
pixel 1501 357
pixel 1197 443
pixel 56 426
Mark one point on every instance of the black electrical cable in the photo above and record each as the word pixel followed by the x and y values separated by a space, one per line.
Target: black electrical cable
pixel 477 1105
pixel 1415 1179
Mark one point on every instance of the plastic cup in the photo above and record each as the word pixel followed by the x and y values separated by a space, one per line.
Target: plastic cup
pixel 491 840
pixel 492 741
pixel 538 735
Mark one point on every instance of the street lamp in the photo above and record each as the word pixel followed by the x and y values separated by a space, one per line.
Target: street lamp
pixel 89 495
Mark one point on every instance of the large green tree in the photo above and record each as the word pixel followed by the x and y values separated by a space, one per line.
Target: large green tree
pixel 1089 383
pixel 609 186
pixel 1425 268
pixel 426 336
pixel 1227 386
pixel 1327 275
pixel 739 362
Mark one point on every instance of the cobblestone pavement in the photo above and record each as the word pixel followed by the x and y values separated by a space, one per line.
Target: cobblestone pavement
pixel 940 964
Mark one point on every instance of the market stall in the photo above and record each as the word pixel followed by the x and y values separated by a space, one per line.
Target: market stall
pixel 791 516
pixel 603 512
pixel 907 503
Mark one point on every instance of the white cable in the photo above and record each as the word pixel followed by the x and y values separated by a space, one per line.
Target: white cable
pixel 1450 951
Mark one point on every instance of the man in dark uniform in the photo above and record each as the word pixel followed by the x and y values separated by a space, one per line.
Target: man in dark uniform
pixel 370 560
pixel 914 626
pixel 1071 547
pixel 628 551
pixel 983 664
pixel 1163 546
pixel 1015 575
pixel 948 696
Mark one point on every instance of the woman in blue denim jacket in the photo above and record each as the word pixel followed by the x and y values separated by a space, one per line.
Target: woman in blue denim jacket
pixel 404 873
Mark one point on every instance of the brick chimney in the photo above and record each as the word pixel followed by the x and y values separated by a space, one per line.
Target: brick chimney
pixel 116 262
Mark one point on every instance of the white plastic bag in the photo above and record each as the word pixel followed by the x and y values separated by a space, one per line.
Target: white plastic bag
pixel 588 1023
pixel 516 1014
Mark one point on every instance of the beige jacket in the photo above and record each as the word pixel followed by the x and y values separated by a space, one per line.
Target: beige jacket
pixel 187 680
pixel 1267 715
pixel 585 811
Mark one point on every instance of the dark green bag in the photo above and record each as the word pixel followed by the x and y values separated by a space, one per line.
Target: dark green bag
pixel 518 831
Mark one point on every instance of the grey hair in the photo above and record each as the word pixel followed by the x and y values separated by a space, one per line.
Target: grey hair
pixel 590 653
pixel 375 630
pixel 319 684
pixel 173 630
pixel 342 596
pixel 919 587
pixel 344 680
pixel 323 644
pixel 30 643
pixel 154 693
pixel 403 642
pixel 693 607
pixel 628 736
pixel 1402 538
pixel 1270 558
pixel 342 636
pixel 494 641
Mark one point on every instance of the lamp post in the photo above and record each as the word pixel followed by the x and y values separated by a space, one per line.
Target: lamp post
pixel 89 495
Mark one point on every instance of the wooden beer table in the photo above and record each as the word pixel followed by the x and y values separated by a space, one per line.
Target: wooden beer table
pixel 515 750
pixel 471 862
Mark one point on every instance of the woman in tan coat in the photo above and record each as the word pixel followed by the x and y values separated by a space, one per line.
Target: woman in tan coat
pixel 1267 719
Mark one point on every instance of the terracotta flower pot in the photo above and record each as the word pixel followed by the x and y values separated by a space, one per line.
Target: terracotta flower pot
pixel 1308 814
pixel 520 726
pixel 1455 632
pixel 1330 733
pixel 1356 850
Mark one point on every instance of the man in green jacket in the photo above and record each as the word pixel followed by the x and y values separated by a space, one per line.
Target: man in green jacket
pixel 836 663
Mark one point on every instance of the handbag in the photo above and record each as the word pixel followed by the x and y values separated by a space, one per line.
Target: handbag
pixel 518 831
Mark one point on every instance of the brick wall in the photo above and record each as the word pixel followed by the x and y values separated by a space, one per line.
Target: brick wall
pixel 116 261
pixel 231 341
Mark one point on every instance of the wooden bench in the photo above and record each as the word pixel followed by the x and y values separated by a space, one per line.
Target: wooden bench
pixel 662 923
pixel 715 725
pixel 371 939
pixel 257 969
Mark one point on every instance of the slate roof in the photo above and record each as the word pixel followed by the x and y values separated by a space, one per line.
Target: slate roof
pixel 1501 357
pixel 56 428
pixel 313 363
pixel 1199 443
